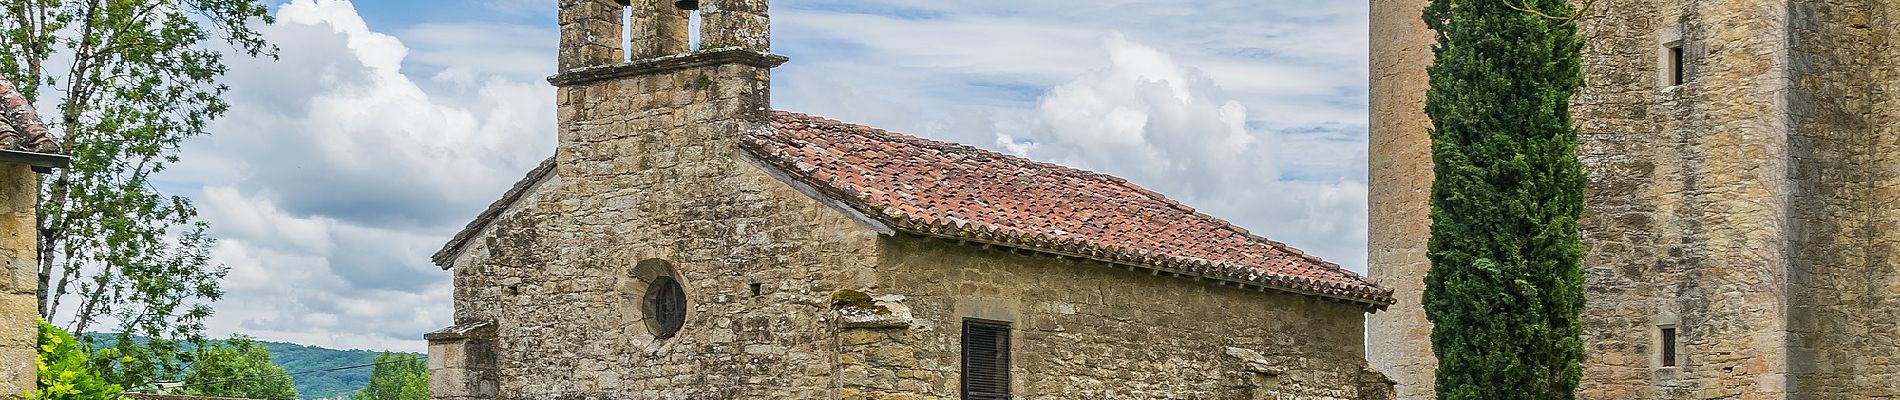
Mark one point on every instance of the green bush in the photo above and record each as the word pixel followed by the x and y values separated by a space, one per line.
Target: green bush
pixel 64 373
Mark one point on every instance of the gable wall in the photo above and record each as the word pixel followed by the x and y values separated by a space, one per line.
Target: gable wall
pixel 650 169
pixel 1084 329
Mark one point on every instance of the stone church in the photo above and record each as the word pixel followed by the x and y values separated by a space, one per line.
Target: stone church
pixel 687 241
pixel 1742 219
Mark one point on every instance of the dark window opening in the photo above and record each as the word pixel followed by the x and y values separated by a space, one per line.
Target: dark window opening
pixel 758 288
pixel 1669 347
pixel 985 360
pixel 1677 74
pixel 666 307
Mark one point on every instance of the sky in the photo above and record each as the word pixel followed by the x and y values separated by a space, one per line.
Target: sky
pixel 386 125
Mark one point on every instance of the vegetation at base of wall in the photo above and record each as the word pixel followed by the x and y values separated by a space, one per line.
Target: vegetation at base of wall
pixel 65 370
pixel 237 367
pixel 1505 289
pixel 132 80
pixel 396 377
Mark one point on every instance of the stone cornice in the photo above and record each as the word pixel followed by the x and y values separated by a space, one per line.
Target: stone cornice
pixel 702 58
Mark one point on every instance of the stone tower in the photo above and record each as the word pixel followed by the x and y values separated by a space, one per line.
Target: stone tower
pixel 1743 211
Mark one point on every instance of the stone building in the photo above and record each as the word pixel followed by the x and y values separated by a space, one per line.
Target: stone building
pixel 686 241
pixel 1743 209
pixel 26 150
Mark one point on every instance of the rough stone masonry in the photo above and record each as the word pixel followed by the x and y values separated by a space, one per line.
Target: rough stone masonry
pixel 1751 209
pixel 26 149
pixel 817 259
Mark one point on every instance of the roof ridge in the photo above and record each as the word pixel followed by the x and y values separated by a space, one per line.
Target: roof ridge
pixel 938 143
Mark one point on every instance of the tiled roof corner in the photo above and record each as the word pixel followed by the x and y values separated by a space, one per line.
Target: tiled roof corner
pixel 22 129
pixel 954 191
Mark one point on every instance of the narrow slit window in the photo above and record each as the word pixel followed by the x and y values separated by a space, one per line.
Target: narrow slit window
pixel 1677 74
pixel 1669 347
pixel 985 360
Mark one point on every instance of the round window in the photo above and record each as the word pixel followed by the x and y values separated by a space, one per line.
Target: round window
pixel 665 307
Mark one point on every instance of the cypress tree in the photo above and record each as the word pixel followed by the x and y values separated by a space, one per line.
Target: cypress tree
pixel 1505 289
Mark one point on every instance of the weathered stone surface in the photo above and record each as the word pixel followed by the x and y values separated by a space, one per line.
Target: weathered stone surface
pixel 19 266
pixel 1401 183
pixel 1845 220
pixel 648 169
pixel 1750 208
pixel 1087 329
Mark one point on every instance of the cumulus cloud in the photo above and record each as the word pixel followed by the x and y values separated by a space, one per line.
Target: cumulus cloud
pixel 1171 128
pixel 337 174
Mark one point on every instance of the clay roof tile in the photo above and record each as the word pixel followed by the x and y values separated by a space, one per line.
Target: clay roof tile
pixel 945 189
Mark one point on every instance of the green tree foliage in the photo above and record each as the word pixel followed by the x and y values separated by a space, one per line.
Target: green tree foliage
pixel 133 79
pixel 238 367
pixel 396 377
pixel 65 370
pixel 1505 287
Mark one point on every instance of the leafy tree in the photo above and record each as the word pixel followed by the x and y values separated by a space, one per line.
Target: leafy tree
pixel 1505 289
pixel 396 377
pixel 65 370
pixel 238 367
pixel 133 79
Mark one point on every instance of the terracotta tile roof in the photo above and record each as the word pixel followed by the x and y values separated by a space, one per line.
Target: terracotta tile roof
pixel 942 189
pixel 20 127
pixel 947 190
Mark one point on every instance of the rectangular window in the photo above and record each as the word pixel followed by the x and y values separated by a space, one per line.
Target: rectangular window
pixel 1677 74
pixel 1669 347
pixel 985 360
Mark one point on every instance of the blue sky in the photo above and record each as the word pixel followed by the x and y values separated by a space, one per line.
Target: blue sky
pixel 388 124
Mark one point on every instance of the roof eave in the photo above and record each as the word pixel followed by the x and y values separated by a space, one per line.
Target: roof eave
pixel 1371 303
pixel 41 162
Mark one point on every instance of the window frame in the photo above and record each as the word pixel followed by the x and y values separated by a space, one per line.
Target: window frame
pixel 1004 343
pixel 1669 346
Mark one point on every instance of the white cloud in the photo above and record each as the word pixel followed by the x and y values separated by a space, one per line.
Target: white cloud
pixel 1171 128
pixel 336 175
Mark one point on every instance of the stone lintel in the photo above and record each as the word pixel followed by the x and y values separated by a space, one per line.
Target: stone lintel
pixel 702 58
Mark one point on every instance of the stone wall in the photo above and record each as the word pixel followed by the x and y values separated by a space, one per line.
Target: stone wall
pixel 1844 284
pixel 19 283
pixel 649 169
pixel 1685 217
pixel 1401 187
pixel 1084 329
pixel 649 181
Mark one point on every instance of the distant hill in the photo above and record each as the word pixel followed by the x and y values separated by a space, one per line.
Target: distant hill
pixel 297 358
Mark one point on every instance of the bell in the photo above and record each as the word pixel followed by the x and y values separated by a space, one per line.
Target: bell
pixel 686 4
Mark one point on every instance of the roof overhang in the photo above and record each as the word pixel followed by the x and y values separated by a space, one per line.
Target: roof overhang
pixel 41 162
